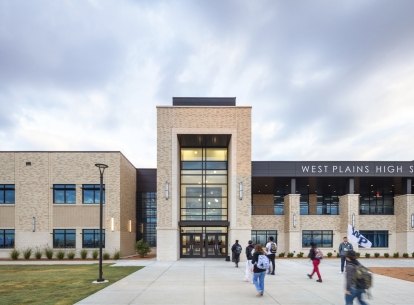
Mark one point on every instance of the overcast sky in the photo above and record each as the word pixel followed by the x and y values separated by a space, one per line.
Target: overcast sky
pixel 327 80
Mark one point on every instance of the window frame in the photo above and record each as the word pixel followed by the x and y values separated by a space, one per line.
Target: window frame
pixel 4 233
pixel 267 234
pixel 95 234
pixel 320 242
pixel 65 188
pixel 4 190
pixel 375 238
pixel 66 233
pixel 95 188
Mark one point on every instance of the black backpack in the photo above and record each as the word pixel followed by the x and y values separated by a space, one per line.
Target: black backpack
pixel 273 248
pixel 238 249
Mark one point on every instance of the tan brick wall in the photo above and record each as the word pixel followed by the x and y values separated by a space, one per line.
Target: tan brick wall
pixel 7 217
pixel 128 207
pixel 172 121
pixel 34 194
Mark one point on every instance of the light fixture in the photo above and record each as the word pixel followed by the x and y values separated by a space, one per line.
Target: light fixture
pixel 241 190
pixel 294 220
pixel 167 190
pixel 412 220
pixel 34 224
pixel 353 220
pixel 112 224
pixel 130 226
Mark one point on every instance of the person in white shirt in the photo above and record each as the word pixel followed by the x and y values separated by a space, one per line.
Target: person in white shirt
pixel 271 248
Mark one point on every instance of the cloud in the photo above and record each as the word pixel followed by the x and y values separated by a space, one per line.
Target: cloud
pixel 327 80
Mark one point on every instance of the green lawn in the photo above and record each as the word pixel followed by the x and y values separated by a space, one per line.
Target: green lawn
pixel 54 284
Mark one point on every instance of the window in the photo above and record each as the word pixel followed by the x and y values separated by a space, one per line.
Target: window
pixel 91 193
pixel 377 204
pixel 64 193
pixel 327 205
pixel 304 204
pixel 379 239
pixel 203 184
pixel 279 205
pixel 64 238
pixel 6 193
pixel 322 238
pixel 6 238
pixel 90 238
pixel 262 236
pixel 147 217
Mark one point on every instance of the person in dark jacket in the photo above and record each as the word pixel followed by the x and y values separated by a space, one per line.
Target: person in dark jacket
pixel 258 273
pixel 248 277
pixel 313 255
pixel 236 249
pixel 343 249
pixel 352 290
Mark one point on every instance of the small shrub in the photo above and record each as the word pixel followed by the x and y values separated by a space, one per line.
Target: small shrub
pixel 95 254
pixel 396 255
pixel 27 253
pixel 142 248
pixel 106 255
pixel 71 255
pixel 282 254
pixel 367 255
pixel 405 255
pixel 60 254
pixel 38 253
pixel 84 254
pixel 337 255
pixel 300 254
pixel 376 255
pixel 290 254
pixel 49 253
pixel 412 254
pixel 15 254
pixel 117 255
pixel 329 254
pixel 358 254
pixel 386 255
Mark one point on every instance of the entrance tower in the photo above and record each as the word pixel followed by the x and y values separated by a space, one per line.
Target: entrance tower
pixel 203 177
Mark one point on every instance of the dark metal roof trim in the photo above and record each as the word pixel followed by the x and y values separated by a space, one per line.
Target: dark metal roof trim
pixel 204 101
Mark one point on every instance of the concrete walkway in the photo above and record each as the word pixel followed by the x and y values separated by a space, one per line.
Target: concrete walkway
pixel 216 282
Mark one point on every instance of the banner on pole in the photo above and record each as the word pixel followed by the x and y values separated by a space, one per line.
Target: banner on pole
pixel 356 237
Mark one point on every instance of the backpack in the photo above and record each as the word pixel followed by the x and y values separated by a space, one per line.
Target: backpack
pixel 262 262
pixel 362 277
pixel 318 253
pixel 273 248
pixel 238 249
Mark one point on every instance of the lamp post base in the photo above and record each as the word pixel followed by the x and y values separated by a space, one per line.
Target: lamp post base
pixel 100 282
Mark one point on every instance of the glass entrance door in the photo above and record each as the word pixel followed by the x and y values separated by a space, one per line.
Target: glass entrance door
pixel 191 245
pixel 216 245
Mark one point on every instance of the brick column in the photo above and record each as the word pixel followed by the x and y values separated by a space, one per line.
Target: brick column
pixel 403 209
pixel 293 239
pixel 348 206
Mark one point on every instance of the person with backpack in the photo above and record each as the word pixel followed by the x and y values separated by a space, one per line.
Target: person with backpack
pixel 260 265
pixel 315 256
pixel 271 249
pixel 356 285
pixel 236 249
pixel 248 277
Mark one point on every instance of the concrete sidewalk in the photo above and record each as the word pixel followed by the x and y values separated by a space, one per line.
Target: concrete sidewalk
pixel 216 282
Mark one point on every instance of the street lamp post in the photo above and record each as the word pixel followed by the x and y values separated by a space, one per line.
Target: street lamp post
pixel 102 168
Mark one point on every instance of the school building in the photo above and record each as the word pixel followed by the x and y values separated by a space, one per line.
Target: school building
pixel 205 193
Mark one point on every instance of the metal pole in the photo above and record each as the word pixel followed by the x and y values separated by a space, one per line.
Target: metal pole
pixel 100 279
pixel 101 172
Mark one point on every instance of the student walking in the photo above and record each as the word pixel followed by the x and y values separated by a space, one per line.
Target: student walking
pixel 248 277
pixel 271 249
pixel 353 288
pixel 236 249
pixel 315 255
pixel 343 249
pixel 260 264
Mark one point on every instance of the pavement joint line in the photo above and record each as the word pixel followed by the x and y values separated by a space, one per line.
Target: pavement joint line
pixel 151 283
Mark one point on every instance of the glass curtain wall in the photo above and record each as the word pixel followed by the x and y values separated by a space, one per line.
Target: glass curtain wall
pixel 204 184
